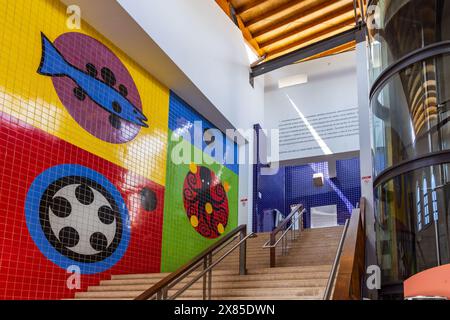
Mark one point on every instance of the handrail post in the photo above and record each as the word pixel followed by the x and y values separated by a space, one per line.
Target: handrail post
pixel 209 277
pixel 162 294
pixel 302 225
pixel 243 254
pixel 205 266
pixel 272 251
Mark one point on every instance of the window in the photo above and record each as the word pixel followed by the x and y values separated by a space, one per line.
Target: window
pixel 434 198
pixel 426 209
pixel 419 208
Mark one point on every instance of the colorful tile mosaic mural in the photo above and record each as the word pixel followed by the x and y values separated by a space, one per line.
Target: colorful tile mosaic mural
pixel 201 203
pixel 87 182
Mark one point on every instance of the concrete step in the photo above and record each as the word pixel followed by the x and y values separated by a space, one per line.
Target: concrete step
pixel 161 275
pixel 250 271
pixel 262 292
pixel 255 277
pixel 266 298
pixel 293 252
pixel 243 284
pixel 218 293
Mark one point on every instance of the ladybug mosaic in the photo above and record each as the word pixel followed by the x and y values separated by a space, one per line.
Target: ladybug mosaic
pixel 206 202
pixel 94 86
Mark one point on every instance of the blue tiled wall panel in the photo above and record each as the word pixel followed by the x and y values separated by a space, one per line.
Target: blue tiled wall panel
pixel 272 192
pixel 344 190
pixel 256 175
pixel 181 115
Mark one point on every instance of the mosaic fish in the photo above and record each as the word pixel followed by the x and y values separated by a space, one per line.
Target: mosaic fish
pixel 53 64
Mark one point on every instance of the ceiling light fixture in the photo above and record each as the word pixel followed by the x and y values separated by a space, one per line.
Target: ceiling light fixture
pixel 293 81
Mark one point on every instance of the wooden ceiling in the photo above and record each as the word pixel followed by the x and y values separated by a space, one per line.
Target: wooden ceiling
pixel 277 27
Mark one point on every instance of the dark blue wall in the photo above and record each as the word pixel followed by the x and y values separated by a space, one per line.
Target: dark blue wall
pixel 271 195
pixel 294 185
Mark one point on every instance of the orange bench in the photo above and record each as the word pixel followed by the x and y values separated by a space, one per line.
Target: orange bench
pixel 430 283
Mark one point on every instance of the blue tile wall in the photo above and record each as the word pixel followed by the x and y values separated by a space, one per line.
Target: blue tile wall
pixel 256 177
pixel 182 115
pixel 272 191
pixel 295 185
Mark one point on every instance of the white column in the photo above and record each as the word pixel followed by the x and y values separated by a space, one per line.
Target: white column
pixel 366 161
pixel 246 189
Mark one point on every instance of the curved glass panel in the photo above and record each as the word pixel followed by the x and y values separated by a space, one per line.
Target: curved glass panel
pixel 412 214
pixel 398 27
pixel 411 113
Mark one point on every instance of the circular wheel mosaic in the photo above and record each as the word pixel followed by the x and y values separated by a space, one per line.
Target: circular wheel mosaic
pixel 77 217
pixel 206 202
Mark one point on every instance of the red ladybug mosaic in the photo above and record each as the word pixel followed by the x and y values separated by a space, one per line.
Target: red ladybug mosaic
pixel 206 202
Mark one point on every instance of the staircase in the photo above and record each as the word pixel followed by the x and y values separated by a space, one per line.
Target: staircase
pixel 302 274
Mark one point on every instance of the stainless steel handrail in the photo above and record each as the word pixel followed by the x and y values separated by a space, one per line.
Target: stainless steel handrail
pixel 289 224
pixel 205 271
pixel 160 290
pixel 337 259
pixel 290 228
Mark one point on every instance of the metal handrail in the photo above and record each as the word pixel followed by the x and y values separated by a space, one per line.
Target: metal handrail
pixel 332 276
pixel 293 217
pixel 286 220
pixel 160 289
pixel 297 217
pixel 208 269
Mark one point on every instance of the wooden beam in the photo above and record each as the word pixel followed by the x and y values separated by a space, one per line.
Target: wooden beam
pixel 322 19
pixel 362 8
pixel 346 24
pixel 290 19
pixel 275 11
pixel 225 5
pixel 249 5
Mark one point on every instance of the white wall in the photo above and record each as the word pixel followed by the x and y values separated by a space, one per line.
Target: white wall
pixel 366 163
pixel 331 87
pixel 205 44
pixel 245 191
